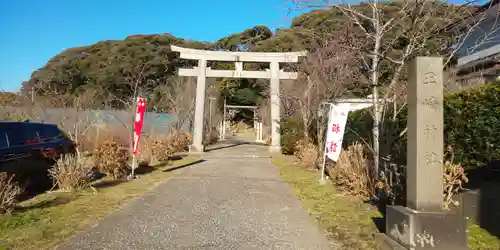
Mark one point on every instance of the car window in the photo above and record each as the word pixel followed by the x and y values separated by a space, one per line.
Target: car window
pixel 30 133
pixel 4 143
pixel 49 132
pixel 22 134
pixel 14 135
pixel 18 134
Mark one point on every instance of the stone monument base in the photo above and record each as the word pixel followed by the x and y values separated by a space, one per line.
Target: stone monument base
pixel 412 229
pixel 196 149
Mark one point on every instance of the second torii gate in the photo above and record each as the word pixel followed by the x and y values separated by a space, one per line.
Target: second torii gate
pixel 257 125
pixel 202 72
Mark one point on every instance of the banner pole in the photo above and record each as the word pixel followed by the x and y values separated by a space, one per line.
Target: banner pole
pixel 322 181
pixel 133 166
pixel 140 109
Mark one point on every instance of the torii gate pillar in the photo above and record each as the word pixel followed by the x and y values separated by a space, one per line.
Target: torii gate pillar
pixel 202 72
pixel 275 108
pixel 199 112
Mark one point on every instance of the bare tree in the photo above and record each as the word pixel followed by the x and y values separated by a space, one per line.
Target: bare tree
pixel 327 72
pixel 388 35
pixel 213 105
pixel 288 99
pixel 178 96
pixel 76 117
pixel 324 75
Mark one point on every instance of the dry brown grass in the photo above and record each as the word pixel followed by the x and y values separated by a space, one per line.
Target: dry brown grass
pixel 211 137
pixel 353 173
pixel 71 173
pixel 145 154
pixel 52 218
pixel 9 193
pixel 15 116
pixel 347 221
pixel 307 153
pixel 159 148
pixel 181 141
pixel 111 158
pixel 101 133
pixel 453 179
pixel 240 127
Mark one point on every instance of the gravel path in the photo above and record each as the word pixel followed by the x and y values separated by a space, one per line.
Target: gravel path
pixel 235 199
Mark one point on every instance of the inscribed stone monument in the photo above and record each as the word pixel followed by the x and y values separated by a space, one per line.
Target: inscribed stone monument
pixel 425 135
pixel 423 224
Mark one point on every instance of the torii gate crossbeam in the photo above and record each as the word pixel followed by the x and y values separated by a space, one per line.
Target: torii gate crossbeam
pixel 202 72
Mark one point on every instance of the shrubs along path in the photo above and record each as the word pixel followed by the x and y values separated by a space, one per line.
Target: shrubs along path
pixel 235 199
pixel 51 218
pixel 77 200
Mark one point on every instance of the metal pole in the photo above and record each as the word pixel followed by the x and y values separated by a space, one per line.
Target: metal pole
pixel 210 113
pixel 224 121
pixel 132 175
pixel 322 180
pixel 318 129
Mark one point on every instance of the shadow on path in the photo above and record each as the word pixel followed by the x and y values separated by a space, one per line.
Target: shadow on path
pixel 232 142
pixel 183 166
pixel 201 206
pixel 222 146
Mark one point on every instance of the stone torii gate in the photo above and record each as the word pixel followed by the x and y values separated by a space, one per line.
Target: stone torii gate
pixel 202 72
pixel 257 125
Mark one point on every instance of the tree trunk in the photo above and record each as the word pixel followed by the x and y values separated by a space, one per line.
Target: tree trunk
pixel 376 118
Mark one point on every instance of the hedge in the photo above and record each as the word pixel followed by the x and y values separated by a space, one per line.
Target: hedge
pixel 471 127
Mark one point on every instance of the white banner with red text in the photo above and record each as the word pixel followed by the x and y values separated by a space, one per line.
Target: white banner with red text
pixel 337 121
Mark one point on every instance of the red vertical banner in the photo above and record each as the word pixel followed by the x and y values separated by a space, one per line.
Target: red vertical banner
pixel 140 109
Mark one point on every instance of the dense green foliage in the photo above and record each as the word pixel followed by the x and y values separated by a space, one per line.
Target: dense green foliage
pixel 292 130
pixel 472 121
pixel 112 68
pixel 471 127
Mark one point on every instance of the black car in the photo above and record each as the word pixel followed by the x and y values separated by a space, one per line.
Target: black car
pixel 28 150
